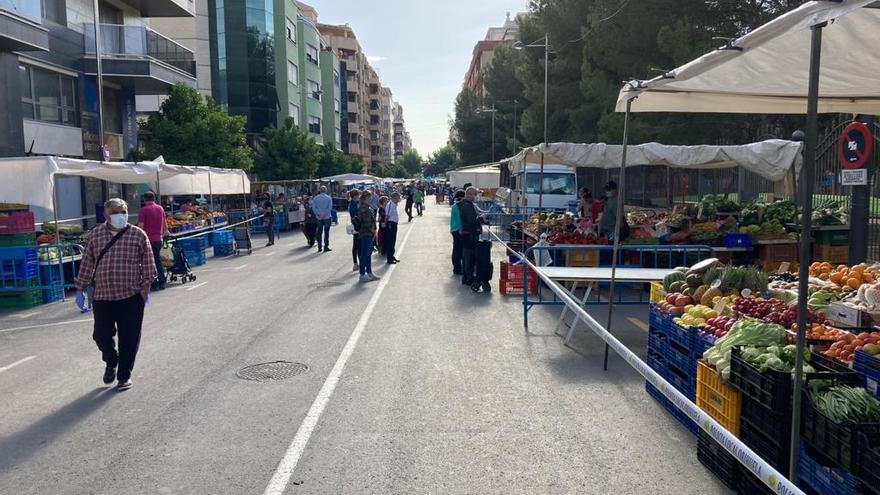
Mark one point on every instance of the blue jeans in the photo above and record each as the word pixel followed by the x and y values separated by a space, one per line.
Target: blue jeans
pixel 365 254
pixel 324 231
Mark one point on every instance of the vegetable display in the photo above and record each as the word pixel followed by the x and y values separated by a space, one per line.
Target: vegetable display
pixel 745 332
pixel 774 357
pixel 843 403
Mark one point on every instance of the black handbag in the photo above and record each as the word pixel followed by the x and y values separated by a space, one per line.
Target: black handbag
pixel 90 289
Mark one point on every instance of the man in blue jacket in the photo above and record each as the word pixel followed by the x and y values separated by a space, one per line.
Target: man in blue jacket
pixel 322 205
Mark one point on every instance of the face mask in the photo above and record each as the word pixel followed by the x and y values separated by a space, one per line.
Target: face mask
pixel 119 220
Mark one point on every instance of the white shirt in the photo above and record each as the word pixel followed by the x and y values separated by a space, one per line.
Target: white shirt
pixel 391 212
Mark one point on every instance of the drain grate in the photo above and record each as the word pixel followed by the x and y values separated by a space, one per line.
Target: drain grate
pixel 325 285
pixel 268 372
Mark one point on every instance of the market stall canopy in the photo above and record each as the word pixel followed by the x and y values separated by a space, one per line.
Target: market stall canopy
pixel 351 178
pixel 206 180
pixel 480 177
pixel 771 159
pixel 766 70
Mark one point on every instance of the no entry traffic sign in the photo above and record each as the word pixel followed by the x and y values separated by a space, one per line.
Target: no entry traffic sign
pixel 855 145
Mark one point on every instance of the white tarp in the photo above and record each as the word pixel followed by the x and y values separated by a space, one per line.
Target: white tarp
pixel 766 71
pixel 771 159
pixel 206 180
pixel 351 178
pixel 481 178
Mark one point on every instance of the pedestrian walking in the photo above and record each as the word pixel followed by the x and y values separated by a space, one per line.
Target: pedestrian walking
pixel 353 203
pixel 383 224
pixel 269 219
pixel 322 204
pixel 419 200
pixel 454 229
pixel 409 203
pixel 117 269
pixel 310 221
pixel 471 228
pixel 366 227
pixel 151 219
pixel 392 218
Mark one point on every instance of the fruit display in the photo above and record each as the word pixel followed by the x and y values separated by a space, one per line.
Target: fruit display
pixel 189 220
pixel 843 349
pixel 717 327
pixel 695 315
pixel 575 237
pixel 844 276
pixel 773 311
pixel 767 231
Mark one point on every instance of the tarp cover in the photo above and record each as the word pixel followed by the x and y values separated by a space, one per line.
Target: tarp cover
pixel 484 177
pixel 766 70
pixel 206 180
pixel 771 159
pixel 351 178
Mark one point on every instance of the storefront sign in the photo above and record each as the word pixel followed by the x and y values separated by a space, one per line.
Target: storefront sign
pixel 857 177
pixel 855 145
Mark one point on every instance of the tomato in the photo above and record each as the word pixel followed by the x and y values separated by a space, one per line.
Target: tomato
pixel 845 355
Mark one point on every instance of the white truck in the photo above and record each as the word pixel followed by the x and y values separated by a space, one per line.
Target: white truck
pixel 559 186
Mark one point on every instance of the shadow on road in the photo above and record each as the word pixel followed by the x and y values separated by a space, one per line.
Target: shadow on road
pixel 20 446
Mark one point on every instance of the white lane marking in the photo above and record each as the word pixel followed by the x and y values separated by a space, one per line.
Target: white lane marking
pixel 13 365
pixel 45 325
pixel 638 323
pixel 288 463
pixel 27 315
pixel 240 267
pixel 270 254
pixel 194 287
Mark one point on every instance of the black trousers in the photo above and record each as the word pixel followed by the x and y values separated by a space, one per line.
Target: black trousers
pixel 419 209
pixel 355 244
pixel 122 318
pixel 270 229
pixel 456 252
pixel 468 258
pixel 157 247
pixel 408 209
pixel 390 240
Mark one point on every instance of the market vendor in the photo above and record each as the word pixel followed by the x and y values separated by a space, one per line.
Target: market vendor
pixel 608 218
pixel 280 200
pixel 187 206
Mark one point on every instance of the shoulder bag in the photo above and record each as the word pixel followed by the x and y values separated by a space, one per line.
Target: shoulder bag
pixel 90 289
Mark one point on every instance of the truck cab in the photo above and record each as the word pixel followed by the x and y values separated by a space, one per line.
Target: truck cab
pixel 559 187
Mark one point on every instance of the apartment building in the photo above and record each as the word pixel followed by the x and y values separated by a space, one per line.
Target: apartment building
pixel 484 52
pixel 49 85
pixel 386 126
pixel 402 141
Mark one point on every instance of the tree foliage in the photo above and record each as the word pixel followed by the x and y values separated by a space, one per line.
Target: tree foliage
pixel 287 153
pixel 334 162
pixel 440 161
pixel 411 161
pixel 190 129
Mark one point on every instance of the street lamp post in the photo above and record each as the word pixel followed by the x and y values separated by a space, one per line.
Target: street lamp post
pixel 492 111
pixel 519 45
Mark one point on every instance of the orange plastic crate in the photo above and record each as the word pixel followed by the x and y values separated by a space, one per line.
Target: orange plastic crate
pixel 718 399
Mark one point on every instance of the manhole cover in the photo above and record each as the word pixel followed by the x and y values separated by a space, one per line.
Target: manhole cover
pixel 325 285
pixel 267 372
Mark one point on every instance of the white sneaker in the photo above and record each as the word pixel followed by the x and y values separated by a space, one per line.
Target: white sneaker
pixel 355 267
pixel 373 277
pixel 365 278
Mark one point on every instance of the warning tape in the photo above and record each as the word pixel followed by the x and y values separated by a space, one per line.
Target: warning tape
pixel 748 458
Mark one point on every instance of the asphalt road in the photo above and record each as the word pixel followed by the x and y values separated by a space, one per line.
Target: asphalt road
pixel 415 385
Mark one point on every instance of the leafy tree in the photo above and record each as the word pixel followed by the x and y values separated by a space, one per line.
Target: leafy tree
pixel 440 161
pixel 192 130
pixel 471 129
pixel 505 92
pixel 411 161
pixel 287 153
pixel 333 162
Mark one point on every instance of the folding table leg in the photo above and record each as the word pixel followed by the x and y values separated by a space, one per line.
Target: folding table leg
pixel 572 291
pixel 582 303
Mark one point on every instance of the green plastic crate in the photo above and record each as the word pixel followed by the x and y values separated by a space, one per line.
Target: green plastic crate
pixel 16 240
pixel 21 300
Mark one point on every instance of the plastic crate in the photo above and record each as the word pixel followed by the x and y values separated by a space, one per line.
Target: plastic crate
pixel 681 358
pixel 701 345
pixel 21 300
pixel 766 432
pixel 683 336
pixel 721 401
pixel 589 258
pixel 749 484
pixel 193 243
pixel 19 263
pixel 221 237
pixel 825 480
pixel 839 442
pixel 18 240
pixel 223 250
pixel 683 381
pixel 670 407
pixel 717 460
pixel 658 319
pixel 657 292
pixel 17 222
pixel 515 287
pixel 737 240
pixel 868 367
pixel 656 341
pixel 831 237
pixel 867 466
pixel 195 258
pixel 49 276
pixel 656 362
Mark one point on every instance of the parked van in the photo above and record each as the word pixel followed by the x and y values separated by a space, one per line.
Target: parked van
pixel 559 186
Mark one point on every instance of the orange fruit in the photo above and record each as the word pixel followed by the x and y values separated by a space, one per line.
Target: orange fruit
pixel 836 276
pixel 842 268
pixel 823 276
pixel 854 283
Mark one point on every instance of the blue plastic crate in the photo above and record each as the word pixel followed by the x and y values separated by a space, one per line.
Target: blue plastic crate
pixel 655 362
pixel 195 258
pixel 667 404
pixel 737 240
pixel 656 341
pixel 823 479
pixel 193 243
pixel 19 263
pixel 49 276
pixel 682 380
pixel 655 318
pixel 681 358
pixel 868 367
pixel 221 237
pixel 701 345
pixel 683 336
pixel 223 249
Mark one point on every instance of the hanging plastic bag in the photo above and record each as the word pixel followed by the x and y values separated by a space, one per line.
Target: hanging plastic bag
pixel 166 255
pixel 542 256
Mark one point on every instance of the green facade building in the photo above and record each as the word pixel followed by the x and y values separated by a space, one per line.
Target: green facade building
pixel 332 96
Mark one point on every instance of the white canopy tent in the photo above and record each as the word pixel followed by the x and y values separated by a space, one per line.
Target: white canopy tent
pixel 772 159
pixel 351 178
pixel 206 180
pixel 480 177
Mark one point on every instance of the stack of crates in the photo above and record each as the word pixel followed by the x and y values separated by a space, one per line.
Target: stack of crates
pixel 722 402
pixel 194 249
pixel 831 246
pixel 511 279
pixel 670 355
pixel 222 242
pixel 19 262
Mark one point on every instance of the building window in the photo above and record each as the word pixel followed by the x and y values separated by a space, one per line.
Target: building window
pixel 292 72
pixel 335 78
pixel 314 124
pixel 291 30
pixel 311 54
pixel 338 136
pixel 48 96
pixel 55 11
pixel 293 111
pixel 336 106
pixel 314 90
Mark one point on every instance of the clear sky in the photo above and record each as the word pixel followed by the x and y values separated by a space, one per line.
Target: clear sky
pixel 421 50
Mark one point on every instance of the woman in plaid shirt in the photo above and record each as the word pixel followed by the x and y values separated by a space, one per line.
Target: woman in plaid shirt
pixel 122 279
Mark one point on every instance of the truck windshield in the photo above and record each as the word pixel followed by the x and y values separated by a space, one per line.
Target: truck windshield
pixel 554 183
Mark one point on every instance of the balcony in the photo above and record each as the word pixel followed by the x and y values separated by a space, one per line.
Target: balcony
pixel 20 27
pixel 163 8
pixel 353 107
pixel 142 55
pixel 354 128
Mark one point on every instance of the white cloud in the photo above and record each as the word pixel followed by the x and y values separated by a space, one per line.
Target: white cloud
pixel 374 58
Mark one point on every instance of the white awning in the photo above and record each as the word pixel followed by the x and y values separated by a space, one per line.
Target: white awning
pixel 351 178
pixel 206 180
pixel 766 71
pixel 771 159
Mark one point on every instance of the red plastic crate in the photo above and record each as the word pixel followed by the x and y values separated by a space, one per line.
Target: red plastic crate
pixel 17 222
pixel 515 272
pixel 512 287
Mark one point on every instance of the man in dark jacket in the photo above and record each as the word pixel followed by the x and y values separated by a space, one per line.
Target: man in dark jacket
pixel 470 232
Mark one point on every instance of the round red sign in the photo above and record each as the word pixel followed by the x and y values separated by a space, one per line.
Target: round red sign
pixel 855 145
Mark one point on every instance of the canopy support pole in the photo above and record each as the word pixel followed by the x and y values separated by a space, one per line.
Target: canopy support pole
pixel 540 194
pixel 621 193
pixel 211 196
pixel 806 235
pixel 58 238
